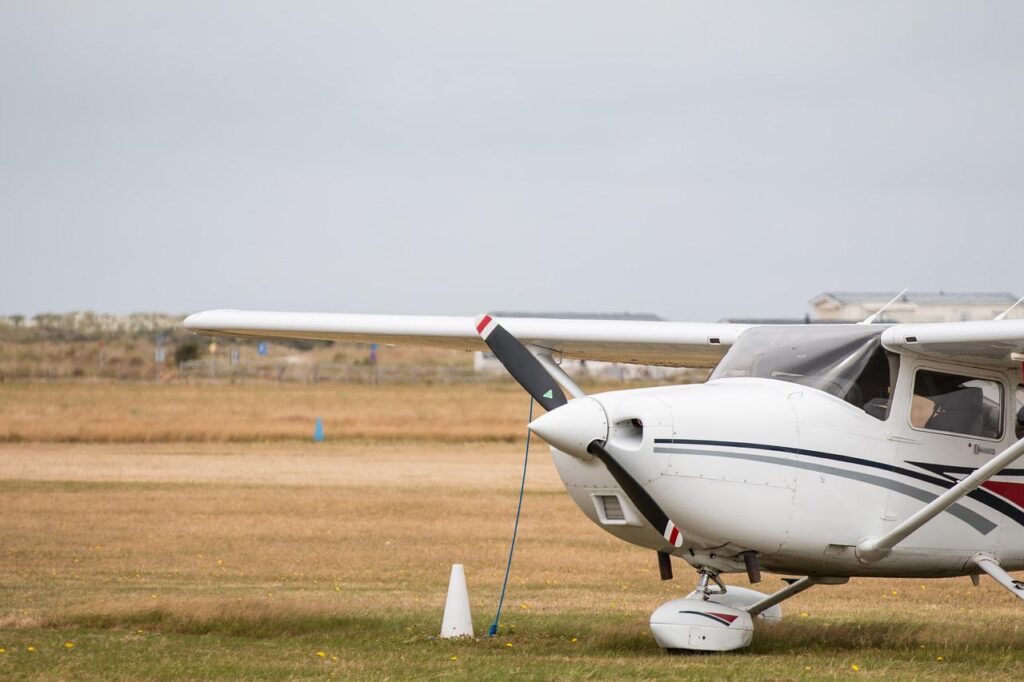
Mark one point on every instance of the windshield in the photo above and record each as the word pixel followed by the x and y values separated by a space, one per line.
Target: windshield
pixel 845 361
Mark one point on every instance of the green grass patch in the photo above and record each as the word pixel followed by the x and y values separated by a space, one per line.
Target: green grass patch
pixel 157 644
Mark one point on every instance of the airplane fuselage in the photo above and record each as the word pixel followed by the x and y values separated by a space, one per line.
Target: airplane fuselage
pixel 800 477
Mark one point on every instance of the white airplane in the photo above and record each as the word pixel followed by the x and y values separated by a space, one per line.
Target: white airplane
pixel 819 451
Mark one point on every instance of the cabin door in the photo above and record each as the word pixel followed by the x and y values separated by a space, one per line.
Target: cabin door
pixel 954 420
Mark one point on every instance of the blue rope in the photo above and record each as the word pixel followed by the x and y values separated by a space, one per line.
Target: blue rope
pixel 515 530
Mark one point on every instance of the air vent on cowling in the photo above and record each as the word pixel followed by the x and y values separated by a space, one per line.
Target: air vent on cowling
pixel 612 508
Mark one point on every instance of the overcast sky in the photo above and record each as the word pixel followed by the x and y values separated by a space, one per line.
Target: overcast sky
pixel 697 160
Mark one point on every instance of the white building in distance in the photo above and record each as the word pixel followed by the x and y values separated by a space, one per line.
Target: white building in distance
pixel 913 306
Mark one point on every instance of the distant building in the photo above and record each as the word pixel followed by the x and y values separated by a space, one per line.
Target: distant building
pixel 914 306
pixel 584 369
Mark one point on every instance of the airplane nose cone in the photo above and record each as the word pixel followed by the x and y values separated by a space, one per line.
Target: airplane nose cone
pixel 573 426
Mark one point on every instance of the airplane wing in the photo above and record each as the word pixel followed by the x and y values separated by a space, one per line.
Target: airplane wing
pixel 986 343
pixel 670 344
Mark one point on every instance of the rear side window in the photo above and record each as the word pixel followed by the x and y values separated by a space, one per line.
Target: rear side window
pixel 957 404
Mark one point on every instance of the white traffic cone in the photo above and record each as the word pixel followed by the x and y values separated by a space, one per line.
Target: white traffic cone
pixel 456 621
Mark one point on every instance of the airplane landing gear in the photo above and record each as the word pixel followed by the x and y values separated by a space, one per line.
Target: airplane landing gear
pixel 702 621
pixel 709 584
pixel 716 618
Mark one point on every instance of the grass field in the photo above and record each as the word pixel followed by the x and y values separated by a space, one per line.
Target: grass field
pixel 144 536
pixel 154 413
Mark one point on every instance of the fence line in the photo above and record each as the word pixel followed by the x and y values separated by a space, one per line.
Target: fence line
pixel 222 369
pixel 337 372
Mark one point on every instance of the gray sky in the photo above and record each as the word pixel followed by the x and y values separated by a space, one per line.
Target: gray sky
pixel 697 160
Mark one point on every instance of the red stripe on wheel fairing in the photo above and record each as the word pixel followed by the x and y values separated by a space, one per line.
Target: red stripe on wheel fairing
pixel 483 324
pixel 723 618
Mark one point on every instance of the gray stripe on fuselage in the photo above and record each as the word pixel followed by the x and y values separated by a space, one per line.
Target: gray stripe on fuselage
pixel 971 518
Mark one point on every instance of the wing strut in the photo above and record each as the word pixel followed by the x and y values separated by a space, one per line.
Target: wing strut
pixel 556 372
pixel 990 565
pixel 874 548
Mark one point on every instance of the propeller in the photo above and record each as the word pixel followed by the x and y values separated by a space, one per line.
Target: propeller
pixel 531 375
pixel 640 498
pixel 520 363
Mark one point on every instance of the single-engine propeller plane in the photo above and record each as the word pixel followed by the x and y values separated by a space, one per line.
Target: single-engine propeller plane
pixel 822 451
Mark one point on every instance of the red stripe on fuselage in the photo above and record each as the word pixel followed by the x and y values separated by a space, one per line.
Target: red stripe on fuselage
pixel 1014 492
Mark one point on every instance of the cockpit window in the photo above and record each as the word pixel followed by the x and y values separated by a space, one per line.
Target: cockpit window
pixel 845 361
pixel 957 404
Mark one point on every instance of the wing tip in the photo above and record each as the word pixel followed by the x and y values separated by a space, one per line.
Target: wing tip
pixel 204 318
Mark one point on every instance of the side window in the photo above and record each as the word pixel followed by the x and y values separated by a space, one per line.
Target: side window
pixel 957 404
pixel 878 402
pixel 873 388
pixel 1018 411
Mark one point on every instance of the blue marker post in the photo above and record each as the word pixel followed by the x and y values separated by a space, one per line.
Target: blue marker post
pixel 318 431
pixel 373 363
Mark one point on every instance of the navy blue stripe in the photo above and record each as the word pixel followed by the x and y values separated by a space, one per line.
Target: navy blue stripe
pixel 943 469
pixel 813 453
pixel 979 495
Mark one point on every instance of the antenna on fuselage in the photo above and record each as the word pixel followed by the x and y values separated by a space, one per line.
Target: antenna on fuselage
pixel 872 317
pixel 1002 315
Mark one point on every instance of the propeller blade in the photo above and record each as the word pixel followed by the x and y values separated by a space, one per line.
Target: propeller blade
pixel 531 375
pixel 640 498
pixel 520 363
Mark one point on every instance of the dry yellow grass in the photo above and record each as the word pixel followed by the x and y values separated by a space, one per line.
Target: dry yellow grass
pixel 202 526
pixel 245 559
pixel 125 413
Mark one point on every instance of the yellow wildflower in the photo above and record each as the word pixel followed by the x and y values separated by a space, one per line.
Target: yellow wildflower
pixel 508 644
pixel 454 658
pixel 574 639
pixel 31 648
pixel 69 645
pixel 938 658
pixel 855 667
pixel 321 654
